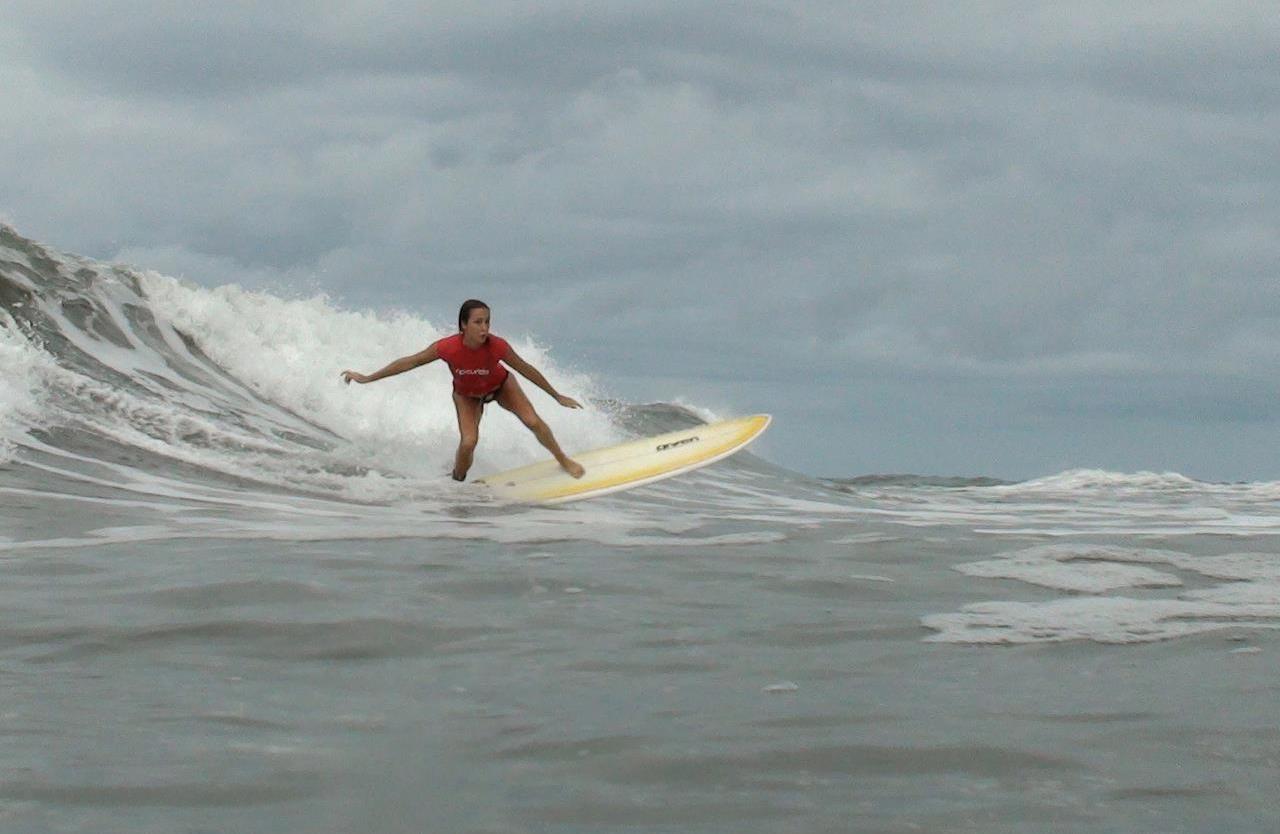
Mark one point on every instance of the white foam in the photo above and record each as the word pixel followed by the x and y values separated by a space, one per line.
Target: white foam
pixel 389 441
pixel 1256 566
pixel 1081 568
pixel 1074 480
pixel 21 366
pixel 780 688
pixel 279 523
pixel 1256 575
pixel 292 351
pixel 295 445
pixel 1086 502
pixel 703 413
pixel 1250 599
pixel 867 538
pixel 1100 619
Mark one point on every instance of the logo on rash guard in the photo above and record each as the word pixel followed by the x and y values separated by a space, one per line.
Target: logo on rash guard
pixel 472 372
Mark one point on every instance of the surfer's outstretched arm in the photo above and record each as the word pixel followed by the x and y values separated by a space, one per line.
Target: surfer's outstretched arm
pixel 535 376
pixel 404 363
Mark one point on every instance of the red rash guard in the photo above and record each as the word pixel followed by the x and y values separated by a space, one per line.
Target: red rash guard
pixel 476 372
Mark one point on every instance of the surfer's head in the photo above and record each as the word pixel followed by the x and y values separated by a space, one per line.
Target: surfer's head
pixel 473 320
pixel 468 306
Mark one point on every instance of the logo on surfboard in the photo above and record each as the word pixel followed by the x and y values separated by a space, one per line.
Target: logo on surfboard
pixel 665 446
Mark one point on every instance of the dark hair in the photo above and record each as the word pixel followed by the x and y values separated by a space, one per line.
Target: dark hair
pixel 464 315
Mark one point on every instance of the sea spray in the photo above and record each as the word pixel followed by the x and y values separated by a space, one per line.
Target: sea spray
pixel 21 364
pixel 292 352
pixel 246 384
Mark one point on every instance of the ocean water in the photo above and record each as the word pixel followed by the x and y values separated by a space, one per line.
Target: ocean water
pixel 238 596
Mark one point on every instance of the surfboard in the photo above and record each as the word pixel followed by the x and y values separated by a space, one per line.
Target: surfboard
pixel 628 465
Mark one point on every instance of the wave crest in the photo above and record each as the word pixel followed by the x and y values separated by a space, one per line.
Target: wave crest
pixel 149 373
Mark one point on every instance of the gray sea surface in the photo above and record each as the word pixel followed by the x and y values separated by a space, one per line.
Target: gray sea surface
pixel 741 674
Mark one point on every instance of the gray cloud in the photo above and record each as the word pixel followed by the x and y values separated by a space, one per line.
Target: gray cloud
pixel 893 199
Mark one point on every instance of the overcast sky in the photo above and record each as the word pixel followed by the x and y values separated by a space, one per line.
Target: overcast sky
pixel 986 238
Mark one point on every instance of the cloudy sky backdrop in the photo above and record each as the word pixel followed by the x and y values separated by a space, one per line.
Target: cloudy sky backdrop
pixel 982 238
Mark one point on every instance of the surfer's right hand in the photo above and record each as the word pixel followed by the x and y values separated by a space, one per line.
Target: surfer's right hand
pixel 349 376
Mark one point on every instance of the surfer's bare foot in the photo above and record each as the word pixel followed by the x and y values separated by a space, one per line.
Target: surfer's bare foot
pixel 572 467
pixel 458 477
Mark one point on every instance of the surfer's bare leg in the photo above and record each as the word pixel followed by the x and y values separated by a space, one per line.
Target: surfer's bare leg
pixel 513 399
pixel 469 413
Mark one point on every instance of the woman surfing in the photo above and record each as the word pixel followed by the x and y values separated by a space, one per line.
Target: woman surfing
pixel 475 358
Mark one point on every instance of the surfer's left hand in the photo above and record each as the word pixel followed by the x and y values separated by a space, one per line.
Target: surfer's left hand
pixel 568 402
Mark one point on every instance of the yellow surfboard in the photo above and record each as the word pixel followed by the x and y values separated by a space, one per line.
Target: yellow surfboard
pixel 628 465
